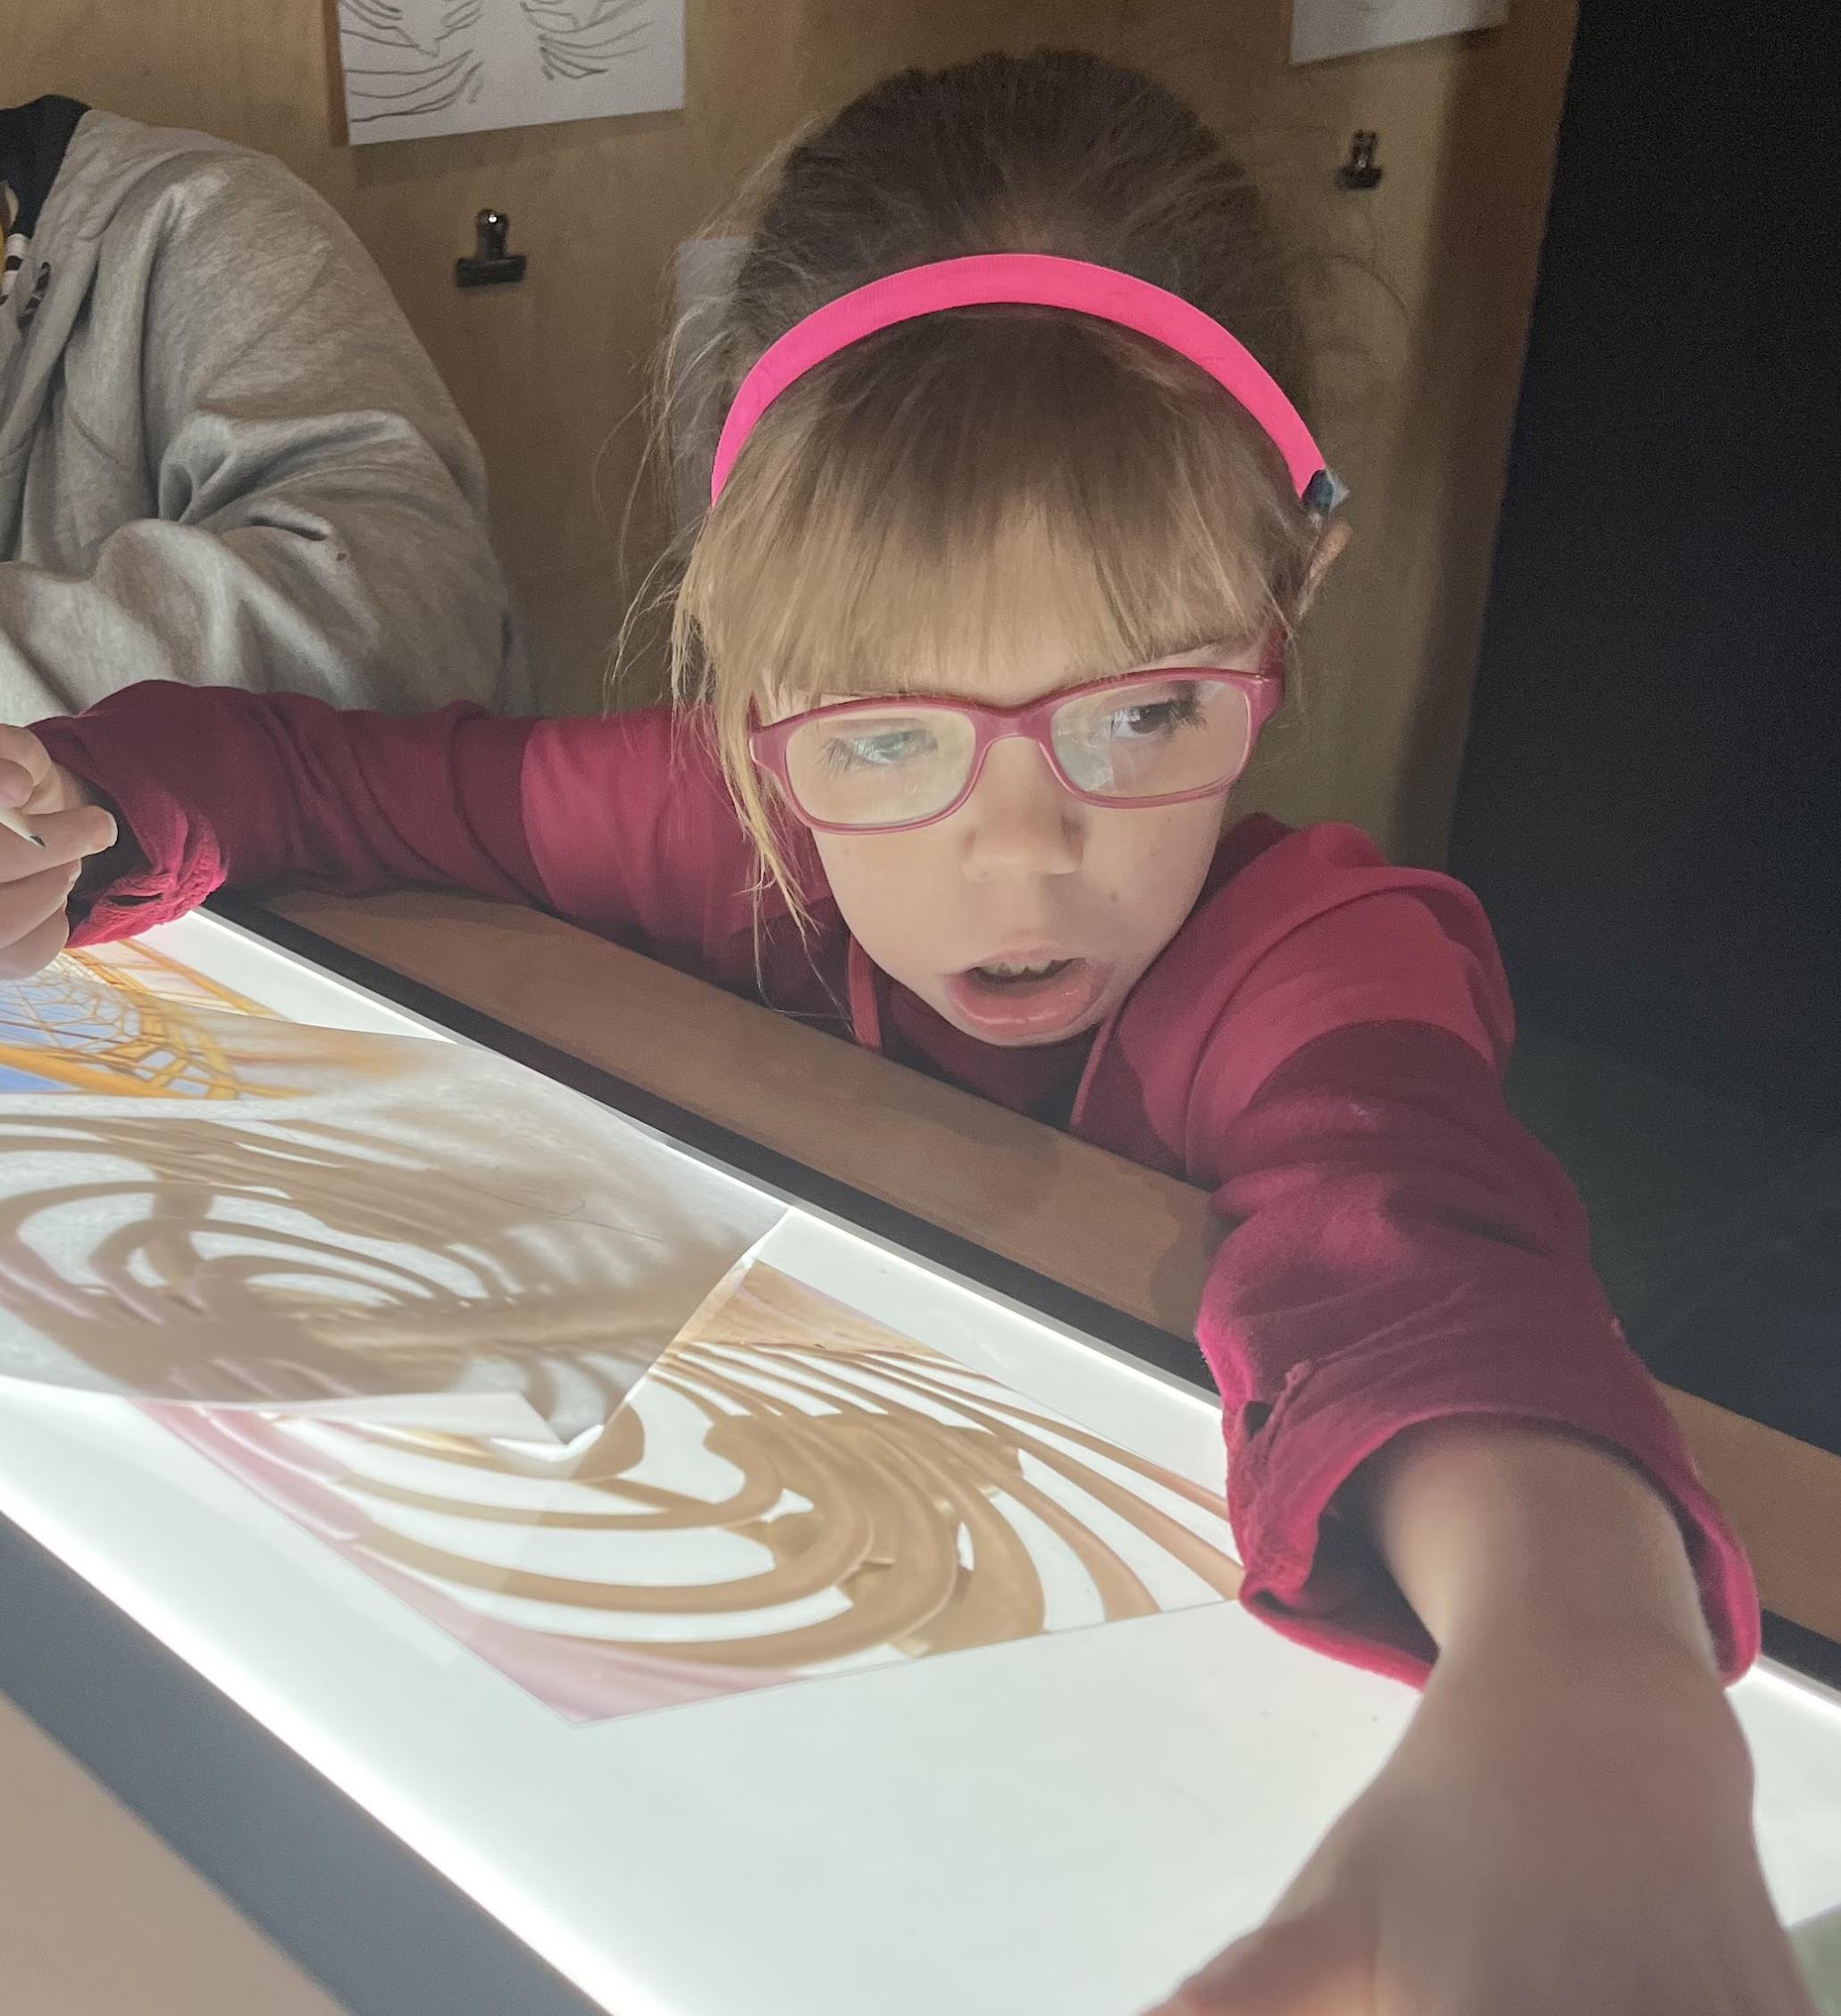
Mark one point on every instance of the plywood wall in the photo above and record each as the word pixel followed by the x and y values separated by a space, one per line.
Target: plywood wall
pixel 1427 283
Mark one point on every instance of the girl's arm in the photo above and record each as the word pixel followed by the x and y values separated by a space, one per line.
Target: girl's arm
pixel 1443 1449
pixel 620 824
pixel 1404 1255
pixel 1505 1537
pixel 1565 1829
pixel 214 787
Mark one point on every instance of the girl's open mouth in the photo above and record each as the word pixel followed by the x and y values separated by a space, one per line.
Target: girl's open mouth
pixel 1026 1000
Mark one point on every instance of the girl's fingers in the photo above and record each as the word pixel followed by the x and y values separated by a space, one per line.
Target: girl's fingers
pixel 28 942
pixel 30 782
pixel 64 839
pixel 26 900
pixel 21 752
pixel 17 782
pixel 64 836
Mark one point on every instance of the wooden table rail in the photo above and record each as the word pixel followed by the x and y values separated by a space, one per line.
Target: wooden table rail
pixel 1124 1237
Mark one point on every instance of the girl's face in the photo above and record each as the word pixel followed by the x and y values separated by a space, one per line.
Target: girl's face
pixel 1027 916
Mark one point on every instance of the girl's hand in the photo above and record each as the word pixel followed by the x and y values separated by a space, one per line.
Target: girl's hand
pixel 1536 1846
pixel 36 882
pixel 1566 1827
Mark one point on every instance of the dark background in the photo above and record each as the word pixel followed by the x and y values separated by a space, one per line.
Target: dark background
pixel 1651 800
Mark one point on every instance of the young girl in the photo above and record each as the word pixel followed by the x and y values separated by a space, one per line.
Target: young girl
pixel 1009 531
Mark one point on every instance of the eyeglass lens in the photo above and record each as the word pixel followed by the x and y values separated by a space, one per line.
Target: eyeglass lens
pixel 889 767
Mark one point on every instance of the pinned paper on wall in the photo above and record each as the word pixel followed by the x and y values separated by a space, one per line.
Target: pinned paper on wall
pixel 417 67
pixel 1321 29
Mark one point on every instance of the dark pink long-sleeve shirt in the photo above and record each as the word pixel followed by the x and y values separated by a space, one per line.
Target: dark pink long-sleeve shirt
pixel 1320 1047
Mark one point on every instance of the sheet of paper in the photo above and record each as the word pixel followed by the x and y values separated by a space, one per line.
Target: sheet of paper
pixel 1321 29
pixel 203 1204
pixel 413 67
pixel 792 1491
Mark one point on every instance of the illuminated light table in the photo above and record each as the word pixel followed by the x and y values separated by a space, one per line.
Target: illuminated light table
pixel 1065 1821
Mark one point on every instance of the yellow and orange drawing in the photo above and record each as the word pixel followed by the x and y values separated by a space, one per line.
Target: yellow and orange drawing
pixel 123 1021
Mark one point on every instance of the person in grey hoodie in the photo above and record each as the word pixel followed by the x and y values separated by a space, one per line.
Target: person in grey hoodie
pixel 224 458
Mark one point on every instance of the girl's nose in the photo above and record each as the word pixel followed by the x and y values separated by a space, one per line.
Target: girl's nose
pixel 1019 819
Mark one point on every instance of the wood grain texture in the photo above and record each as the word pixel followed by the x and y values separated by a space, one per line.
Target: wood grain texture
pixel 1420 291
pixel 1125 1236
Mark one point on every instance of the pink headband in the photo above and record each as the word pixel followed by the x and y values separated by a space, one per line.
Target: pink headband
pixel 1032 280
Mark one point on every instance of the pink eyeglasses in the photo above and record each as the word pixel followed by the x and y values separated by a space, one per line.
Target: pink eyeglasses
pixel 1149 738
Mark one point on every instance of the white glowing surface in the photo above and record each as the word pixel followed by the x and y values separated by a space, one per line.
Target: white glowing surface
pixel 1063 1823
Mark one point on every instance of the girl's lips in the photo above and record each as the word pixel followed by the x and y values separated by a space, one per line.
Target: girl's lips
pixel 1028 1010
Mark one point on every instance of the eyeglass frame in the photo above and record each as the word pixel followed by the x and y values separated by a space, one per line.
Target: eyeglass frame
pixel 1264 689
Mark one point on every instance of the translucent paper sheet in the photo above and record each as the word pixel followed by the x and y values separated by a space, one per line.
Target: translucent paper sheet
pixel 202 1203
pixel 420 1300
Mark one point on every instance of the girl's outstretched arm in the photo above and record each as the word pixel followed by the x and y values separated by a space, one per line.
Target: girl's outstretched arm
pixel 1565 1829
pixel 212 787
pixel 619 822
pixel 1401 1254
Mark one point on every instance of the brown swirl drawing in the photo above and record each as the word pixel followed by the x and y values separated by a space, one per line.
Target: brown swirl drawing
pixel 356 1271
pixel 793 1490
pixel 413 1217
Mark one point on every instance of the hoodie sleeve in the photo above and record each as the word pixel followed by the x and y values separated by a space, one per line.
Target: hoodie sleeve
pixel 314 508
pixel 1400 1251
pixel 213 788
pixel 619 824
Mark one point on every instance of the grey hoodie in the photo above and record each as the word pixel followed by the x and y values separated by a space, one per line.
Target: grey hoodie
pixel 224 456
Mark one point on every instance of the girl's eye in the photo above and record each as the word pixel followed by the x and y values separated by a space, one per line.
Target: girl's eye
pixel 877 749
pixel 1150 720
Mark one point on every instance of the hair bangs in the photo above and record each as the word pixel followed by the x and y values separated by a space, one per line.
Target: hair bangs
pixel 923 515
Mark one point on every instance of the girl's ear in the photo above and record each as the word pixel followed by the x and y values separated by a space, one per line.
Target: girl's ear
pixel 1331 540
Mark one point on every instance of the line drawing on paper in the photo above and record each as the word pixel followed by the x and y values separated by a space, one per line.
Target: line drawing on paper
pixel 460 1325
pixel 410 72
pixel 589 40
pixel 452 66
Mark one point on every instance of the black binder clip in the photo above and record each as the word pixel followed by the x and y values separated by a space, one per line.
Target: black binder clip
pixel 491 264
pixel 1360 172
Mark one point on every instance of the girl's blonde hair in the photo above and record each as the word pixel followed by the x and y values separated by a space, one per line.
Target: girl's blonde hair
pixel 939 493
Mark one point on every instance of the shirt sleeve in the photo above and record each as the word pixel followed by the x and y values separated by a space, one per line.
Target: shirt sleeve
pixel 634 835
pixel 215 787
pixel 1400 1251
